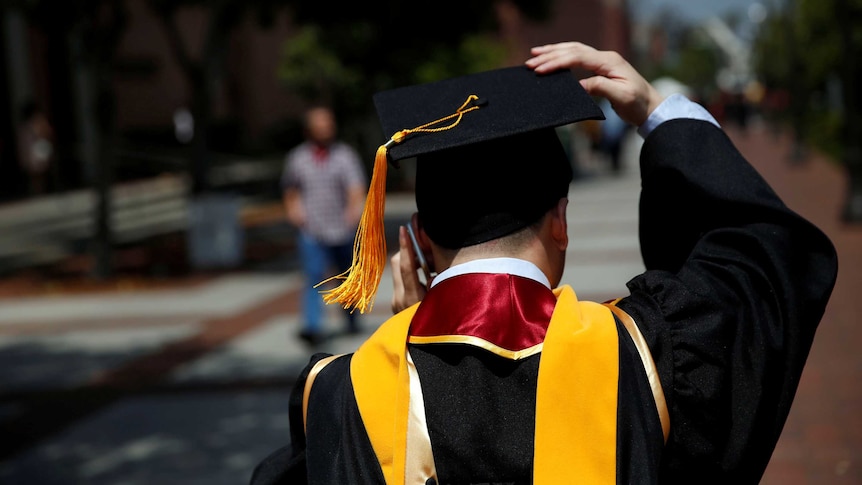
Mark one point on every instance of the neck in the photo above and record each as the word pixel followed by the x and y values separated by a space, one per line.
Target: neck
pixel 544 245
pixel 535 253
pixel 509 266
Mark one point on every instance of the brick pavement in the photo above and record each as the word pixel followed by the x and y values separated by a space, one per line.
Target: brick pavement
pixel 822 440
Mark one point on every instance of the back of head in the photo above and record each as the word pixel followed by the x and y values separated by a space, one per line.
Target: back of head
pixel 483 191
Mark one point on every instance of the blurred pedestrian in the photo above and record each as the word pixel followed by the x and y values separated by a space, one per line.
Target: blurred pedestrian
pixel 612 132
pixel 35 147
pixel 323 185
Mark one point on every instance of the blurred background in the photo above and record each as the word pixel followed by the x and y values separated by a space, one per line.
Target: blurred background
pixel 149 280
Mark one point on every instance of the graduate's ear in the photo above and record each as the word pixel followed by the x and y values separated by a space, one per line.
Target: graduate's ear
pixel 560 224
pixel 423 240
pixel 421 236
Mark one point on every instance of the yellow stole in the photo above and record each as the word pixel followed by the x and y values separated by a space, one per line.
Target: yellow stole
pixel 576 397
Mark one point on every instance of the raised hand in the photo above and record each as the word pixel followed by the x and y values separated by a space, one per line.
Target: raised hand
pixel 631 96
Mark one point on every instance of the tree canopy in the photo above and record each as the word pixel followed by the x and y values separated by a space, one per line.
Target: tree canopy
pixel 342 55
pixel 800 51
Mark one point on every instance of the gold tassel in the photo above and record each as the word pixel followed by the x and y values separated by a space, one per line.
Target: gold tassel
pixel 360 282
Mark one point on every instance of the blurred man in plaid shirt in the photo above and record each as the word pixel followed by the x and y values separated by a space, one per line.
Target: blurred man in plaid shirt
pixel 323 186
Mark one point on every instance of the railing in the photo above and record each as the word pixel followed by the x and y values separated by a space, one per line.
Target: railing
pixel 50 228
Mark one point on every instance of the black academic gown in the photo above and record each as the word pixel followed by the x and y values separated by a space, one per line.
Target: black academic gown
pixel 736 284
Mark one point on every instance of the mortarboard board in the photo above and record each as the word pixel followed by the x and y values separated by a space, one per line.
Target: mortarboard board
pixel 489 161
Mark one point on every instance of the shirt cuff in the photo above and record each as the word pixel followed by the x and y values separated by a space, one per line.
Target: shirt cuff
pixel 675 106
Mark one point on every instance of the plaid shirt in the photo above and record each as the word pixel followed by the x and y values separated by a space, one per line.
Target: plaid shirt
pixel 323 178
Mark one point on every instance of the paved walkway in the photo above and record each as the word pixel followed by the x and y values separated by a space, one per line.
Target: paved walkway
pixel 188 382
pixel 822 440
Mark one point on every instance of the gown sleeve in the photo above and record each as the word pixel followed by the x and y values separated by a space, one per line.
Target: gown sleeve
pixel 287 465
pixel 735 286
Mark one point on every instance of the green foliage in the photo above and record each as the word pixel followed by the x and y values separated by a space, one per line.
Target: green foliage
pixel 694 58
pixel 344 54
pixel 824 132
pixel 818 40
pixel 698 65
pixel 364 47
pixel 801 51
pixel 312 70
pixel 337 71
pixel 771 52
pixel 475 53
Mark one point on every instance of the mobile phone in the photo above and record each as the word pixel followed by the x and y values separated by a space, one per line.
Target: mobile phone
pixel 423 263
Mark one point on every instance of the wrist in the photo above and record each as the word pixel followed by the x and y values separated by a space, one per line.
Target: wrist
pixel 654 100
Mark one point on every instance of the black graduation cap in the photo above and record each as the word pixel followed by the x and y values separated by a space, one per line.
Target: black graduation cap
pixel 489 161
pixel 510 101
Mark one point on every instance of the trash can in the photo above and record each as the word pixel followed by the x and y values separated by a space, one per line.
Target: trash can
pixel 215 236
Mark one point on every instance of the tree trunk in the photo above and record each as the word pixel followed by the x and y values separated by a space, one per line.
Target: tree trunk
pixel 95 152
pixel 798 94
pixel 202 115
pixel 104 267
pixel 852 155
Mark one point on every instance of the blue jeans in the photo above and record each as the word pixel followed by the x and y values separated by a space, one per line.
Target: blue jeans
pixel 320 261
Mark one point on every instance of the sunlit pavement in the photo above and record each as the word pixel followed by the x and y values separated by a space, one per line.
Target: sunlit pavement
pixel 188 384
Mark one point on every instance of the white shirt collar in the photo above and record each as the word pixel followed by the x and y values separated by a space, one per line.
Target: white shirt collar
pixel 513 266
